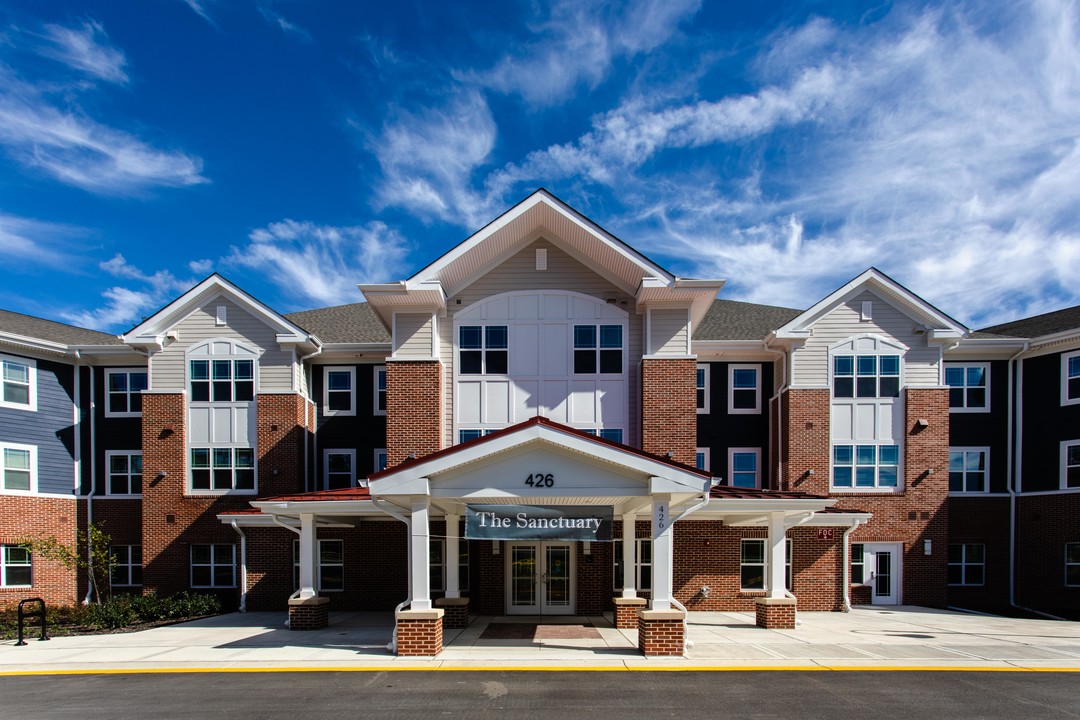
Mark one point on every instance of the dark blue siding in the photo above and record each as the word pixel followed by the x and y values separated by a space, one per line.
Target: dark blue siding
pixel 718 430
pixel 363 432
pixel 1046 423
pixel 988 429
pixel 112 433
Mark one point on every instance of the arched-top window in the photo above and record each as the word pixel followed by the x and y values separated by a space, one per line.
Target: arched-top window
pixel 221 371
pixel 869 366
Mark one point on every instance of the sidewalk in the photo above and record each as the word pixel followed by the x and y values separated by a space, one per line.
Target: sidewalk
pixel 866 638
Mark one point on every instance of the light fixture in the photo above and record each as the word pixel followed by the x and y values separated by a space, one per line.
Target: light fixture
pixel 495 545
pixel 922 422
pixel 926 547
pixel 810 471
pixel 586 547
pixel 705 590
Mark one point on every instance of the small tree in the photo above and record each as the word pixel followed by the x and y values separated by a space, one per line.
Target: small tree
pixel 98 563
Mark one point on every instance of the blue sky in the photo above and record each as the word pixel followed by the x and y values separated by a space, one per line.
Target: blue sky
pixel 301 147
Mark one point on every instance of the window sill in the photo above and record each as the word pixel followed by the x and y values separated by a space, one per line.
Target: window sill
pixel 109 415
pixel 119 496
pixel 17 406
pixel 866 491
pixel 968 411
pixel 217 493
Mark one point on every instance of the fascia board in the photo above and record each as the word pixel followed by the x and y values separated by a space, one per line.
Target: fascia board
pixel 317 507
pixel 30 343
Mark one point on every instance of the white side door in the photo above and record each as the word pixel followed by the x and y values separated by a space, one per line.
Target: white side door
pixel 883 563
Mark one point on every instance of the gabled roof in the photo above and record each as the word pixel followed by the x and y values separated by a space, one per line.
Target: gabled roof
pixel 152 331
pixel 16 325
pixel 939 325
pixel 1051 323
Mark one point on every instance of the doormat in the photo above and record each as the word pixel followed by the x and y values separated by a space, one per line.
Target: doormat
pixel 533 631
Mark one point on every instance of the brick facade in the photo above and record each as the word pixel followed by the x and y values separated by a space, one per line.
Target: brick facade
pixel 414 409
pixel 661 633
pixel 420 633
pixel 28 518
pixel 1046 523
pixel 983 521
pixel 669 408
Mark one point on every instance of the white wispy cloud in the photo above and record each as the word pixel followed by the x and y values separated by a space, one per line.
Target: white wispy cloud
pixel 125 306
pixel 199 8
pixel 38 243
pixel 322 264
pixel 289 28
pixel 85 48
pixel 75 149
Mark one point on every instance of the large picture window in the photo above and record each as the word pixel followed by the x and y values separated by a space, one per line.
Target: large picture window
pixel 866 466
pixel 222 469
pixel 969 386
pixel 866 376
pixel 124 389
pixel 222 380
pixel 483 350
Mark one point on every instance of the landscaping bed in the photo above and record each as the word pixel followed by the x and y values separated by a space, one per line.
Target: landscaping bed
pixel 121 613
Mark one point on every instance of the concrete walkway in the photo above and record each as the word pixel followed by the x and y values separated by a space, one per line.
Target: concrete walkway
pixel 866 638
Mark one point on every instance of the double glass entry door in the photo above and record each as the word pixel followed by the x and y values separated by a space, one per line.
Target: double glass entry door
pixel 540 579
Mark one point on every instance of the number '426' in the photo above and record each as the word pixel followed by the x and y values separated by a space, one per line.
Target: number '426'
pixel 540 480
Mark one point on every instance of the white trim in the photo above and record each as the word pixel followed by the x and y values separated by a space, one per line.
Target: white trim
pixel 375 459
pixel 732 410
pixel 4 566
pixel 965 365
pixel 109 455
pixel 1064 467
pixel 31 374
pixel 375 390
pixel 319 564
pixel 1065 399
pixel 326 411
pixel 129 565
pixel 327 452
pixel 617 558
pixel 707 460
pixel 985 450
pixel 32 459
pixel 127 371
pixel 756 452
pixel 708 387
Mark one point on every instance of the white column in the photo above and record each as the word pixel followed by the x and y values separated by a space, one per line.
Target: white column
pixel 629 542
pixel 777 556
pixel 309 558
pixel 452 550
pixel 419 552
pixel 662 553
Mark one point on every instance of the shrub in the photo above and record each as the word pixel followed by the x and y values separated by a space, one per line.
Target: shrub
pixel 116 613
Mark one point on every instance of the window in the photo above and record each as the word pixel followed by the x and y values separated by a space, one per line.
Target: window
pixel 968 470
pixel 703 389
pixel 16 568
pixel 642 563
pixel 866 376
pixel 969 387
pixel 124 390
pixel 702 460
pixel 213 566
pixel 125 472
pixel 19 388
pixel 744 389
pixel 866 466
pixel 1070 378
pixel 483 349
pixel 744 467
pixel 437 564
pixel 858 566
pixel 339 469
pixel 380 391
pixel 1072 564
pixel 339 391
pixel 127 565
pixel 330 572
pixel 467 435
pixel 598 348
pixel 967 564
pixel 753 563
pixel 223 469
pixel 380 459
pixel 1070 464
pixel 18 468
pixel 612 434
pixel 222 380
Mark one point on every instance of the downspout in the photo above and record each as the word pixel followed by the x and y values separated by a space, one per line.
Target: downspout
pixel 687 643
pixel 243 566
pixel 388 509
pixel 846 573
pixel 93 490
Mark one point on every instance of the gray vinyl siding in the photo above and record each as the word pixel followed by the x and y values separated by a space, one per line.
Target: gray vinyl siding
pixel 51 428
pixel 668 329
pixel 276 366
pixel 811 362
pixel 412 335
pixel 564 273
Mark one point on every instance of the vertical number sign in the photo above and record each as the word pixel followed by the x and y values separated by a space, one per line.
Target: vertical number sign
pixel 660 519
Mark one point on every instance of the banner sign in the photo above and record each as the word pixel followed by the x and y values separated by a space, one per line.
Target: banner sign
pixel 538 522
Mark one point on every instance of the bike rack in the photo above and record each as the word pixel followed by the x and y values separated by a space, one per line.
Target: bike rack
pixel 38 613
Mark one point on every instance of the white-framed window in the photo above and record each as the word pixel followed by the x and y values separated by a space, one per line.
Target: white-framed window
pixel 213 566
pixel 483 350
pixel 18 468
pixel 123 391
pixel 858 564
pixel 465 436
pixel 223 469
pixel 866 467
pixel 969 469
pixel 598 349
pixel 744 467
pixel 744 389
pixel 339 391
pixel 967 564
pixel 379 462
pixel 127 566
pixel 1070 378
pixel 866 376
pixel 612 434
pixel 1072 564
pixel 330 573
pixel 1070 464
pixel 16 566
pixel 753 564
pixel 703 389
pixel 437 564
pixel 339 468
pixel 703 459
pixel 222 380
pixel 124 468
pixel 18 383
pixel 969 387
pixel 379 390
pixel 642 564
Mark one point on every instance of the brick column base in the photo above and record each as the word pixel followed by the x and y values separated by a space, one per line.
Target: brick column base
pixel 419 632
pixel 661 632
pixel 457 612
pixel 626 611
pixel 311 613
pixel 776 613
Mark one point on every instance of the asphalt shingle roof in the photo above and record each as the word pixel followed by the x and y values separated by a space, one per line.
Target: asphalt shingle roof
pixel 355 323
pixel 1032 327
pixel 41 329
pixel 734 320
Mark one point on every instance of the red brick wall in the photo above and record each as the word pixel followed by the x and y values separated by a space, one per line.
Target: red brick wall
pixel 984 521
pixel 805 444
pixel 1044 524
pixel 414 409
pixel 669 408
pixel 26 517
pixel 281 436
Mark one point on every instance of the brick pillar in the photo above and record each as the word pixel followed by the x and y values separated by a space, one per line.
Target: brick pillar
pixel 414 409
pixel 311 613
pixel 661 632
pixel 419 632
pixel 775 613
pixel 626 611
pixel 669 408
pixel 804 441
pixel 281 435
pixel 165 515
pixel 457 612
